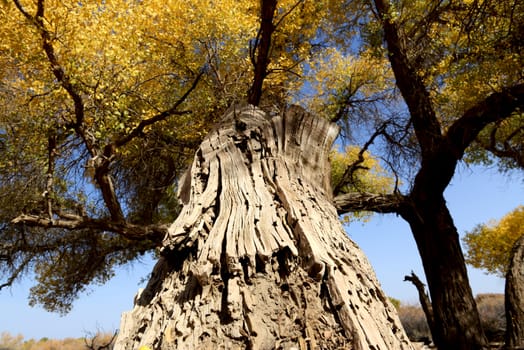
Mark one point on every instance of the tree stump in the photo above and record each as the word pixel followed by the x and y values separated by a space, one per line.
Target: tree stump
pixel 258 259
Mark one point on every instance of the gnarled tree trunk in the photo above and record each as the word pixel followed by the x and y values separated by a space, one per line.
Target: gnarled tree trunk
pixel 514 296
pixel 258 259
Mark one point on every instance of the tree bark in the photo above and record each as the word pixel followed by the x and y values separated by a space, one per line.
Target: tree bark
pixel 258 259
pixel 515 298
pixel 456 319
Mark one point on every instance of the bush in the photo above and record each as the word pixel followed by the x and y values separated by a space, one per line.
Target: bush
pixel 491 311
pixel 492 315
pixel 97 341
pixel 414 321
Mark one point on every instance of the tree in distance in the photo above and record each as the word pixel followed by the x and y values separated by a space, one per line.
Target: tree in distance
pixel 498 247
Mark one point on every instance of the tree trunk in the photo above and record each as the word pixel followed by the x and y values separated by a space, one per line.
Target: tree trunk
pixel 456 320
pixel 258 259
pixel 515 298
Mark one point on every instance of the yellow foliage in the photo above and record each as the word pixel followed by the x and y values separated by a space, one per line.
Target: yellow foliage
pixel 336 75
pixel 369 177
pixel 489 245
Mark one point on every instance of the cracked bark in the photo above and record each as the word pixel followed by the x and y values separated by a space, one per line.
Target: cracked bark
pixel 258 259
pixel 514 296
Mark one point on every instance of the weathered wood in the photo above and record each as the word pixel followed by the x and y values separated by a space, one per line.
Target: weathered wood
pixel 424 300
pixel 258 259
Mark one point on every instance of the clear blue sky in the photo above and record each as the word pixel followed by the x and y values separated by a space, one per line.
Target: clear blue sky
pixel 473 197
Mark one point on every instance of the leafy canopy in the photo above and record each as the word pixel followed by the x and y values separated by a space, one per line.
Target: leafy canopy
pixel 489 245
pixel 103 102
pixel 102 106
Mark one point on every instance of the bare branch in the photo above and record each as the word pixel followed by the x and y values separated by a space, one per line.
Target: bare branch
pixel 161 116
pixel 379 203
pixel 91 343
pixel 154 233
pixel 347 178
pixel 425 302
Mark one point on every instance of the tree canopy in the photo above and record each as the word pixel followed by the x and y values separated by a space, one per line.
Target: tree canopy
pixel 103 104
pixel 489 245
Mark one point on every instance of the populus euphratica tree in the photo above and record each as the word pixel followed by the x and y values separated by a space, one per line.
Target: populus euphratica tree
pixel 257 257
pixel 458 67
pixel 498 247
pixel 420 81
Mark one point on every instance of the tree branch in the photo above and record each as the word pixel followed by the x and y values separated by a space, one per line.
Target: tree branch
pixel 425 302
pixel 52 152
pixel 411 86
pixel 262 46
pixel 161 116
pixel 155 233
pixel 100 160
pixel 356 165
pixel 495 107
pixel 16 273
pixel 379 203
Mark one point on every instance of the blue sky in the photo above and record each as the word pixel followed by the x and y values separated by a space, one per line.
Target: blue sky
pixel 474 196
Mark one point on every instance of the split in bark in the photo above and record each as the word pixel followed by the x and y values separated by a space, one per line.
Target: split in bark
pixel 258 259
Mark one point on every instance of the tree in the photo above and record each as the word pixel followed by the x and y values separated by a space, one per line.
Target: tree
pixel 498 248
pixel 258 258
pixel 514 297
pixel 489 246
pixel 421 82
pixel 433 52
pixel 256 238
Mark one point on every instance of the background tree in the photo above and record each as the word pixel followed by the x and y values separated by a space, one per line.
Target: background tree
pixel 498 248
pixel 489 245
pixel 458 70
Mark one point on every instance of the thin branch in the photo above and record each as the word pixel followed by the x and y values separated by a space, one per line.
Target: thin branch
pixel 91 343
pixel 356 165
pixel 161 116
pixel 288 13
pixel 16 273
pixel 52 152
